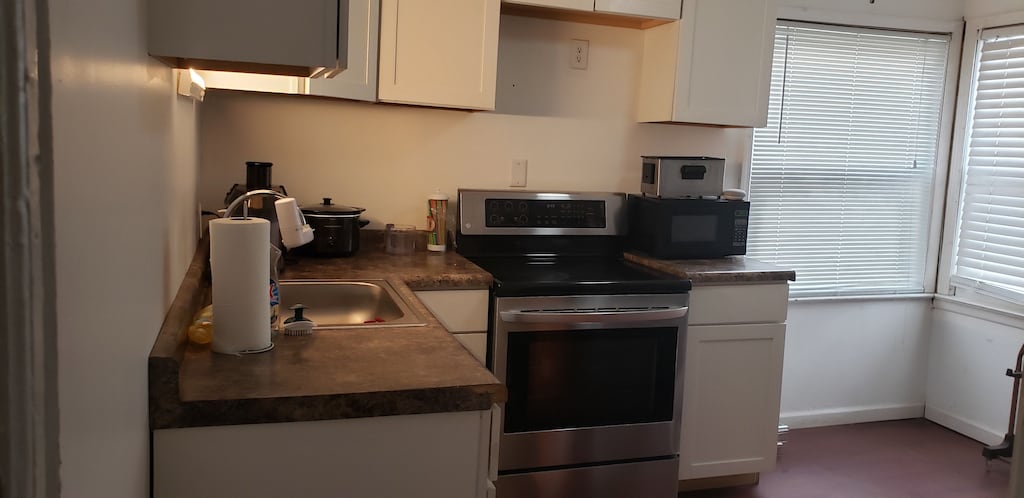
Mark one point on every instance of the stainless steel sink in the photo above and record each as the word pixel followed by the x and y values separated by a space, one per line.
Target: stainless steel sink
pixel 337 304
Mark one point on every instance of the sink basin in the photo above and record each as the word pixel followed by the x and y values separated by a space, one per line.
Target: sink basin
pixel 336 304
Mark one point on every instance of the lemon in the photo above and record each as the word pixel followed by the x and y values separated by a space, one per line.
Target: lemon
pixel 200 333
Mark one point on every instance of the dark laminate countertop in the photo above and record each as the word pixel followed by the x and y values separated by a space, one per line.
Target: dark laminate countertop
pixel 330 374
pixel 354 372
pixel 732 269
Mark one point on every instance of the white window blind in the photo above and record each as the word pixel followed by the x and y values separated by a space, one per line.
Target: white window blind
pixel 841 177
pixel 990 242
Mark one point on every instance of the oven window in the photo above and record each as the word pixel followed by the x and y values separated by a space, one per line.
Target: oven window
pixel 589 378
pixel 694 228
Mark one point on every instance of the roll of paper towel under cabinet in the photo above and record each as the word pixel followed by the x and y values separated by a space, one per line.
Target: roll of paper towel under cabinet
pixel 239 263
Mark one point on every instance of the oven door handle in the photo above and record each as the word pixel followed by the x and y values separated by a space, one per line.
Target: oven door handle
pixel 520 316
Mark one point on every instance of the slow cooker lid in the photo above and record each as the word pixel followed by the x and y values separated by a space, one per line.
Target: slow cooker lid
pixel 327 208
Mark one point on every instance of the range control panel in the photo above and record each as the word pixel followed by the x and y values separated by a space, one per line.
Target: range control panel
pixel 537 213
pixel 521 212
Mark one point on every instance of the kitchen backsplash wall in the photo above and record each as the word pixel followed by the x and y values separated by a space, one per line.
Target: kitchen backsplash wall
pixel 576 128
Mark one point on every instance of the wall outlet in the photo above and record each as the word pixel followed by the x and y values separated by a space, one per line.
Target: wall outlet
pixel 517 173
pixel 580 54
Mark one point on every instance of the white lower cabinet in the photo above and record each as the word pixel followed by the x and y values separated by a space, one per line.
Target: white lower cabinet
pixel 732 380
pixel 464 314
pixel 437 455
pixel 476 343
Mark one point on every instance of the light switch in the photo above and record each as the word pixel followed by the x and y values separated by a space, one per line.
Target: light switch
pixel 517 174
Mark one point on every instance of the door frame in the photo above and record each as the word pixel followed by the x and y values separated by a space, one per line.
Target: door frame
pixel 29 446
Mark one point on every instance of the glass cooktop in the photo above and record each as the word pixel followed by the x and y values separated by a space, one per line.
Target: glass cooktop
pixel 558 276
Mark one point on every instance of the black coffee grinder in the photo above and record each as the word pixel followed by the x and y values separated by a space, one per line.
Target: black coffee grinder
pixel 257 177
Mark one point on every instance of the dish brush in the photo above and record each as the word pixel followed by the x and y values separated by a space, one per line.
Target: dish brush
pixel 298 325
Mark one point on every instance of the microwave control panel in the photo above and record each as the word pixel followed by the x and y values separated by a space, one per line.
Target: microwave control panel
pixel 544 213
pixel 739 234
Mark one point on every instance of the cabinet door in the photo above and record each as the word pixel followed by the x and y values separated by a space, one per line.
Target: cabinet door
pixel 464 314
pixel 720 304
pixel 711 67
pixel 732 383
pixel 359 80
pixel 458 310
pixel 428 455
pixel 665 9
pixel 587 5
pixel 266 36
pixel 476 343
pixel 441 53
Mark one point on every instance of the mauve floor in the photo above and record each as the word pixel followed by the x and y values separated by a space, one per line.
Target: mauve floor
pixel 896 459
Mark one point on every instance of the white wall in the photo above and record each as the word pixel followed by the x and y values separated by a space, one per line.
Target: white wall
pixel 967 389
pixel 982 8
pixel 125 156
pixel 858 361
pixel 972 346
pixel 576 128
pixel 854 361
pixel 935 10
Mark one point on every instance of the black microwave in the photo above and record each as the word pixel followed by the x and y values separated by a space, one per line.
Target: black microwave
pixel 687 228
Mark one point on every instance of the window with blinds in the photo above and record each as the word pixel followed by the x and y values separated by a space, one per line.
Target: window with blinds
pixel 990 239
pixel 841 178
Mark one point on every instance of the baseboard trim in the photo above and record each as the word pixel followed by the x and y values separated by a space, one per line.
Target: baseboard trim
pixel 966 427
pixel 719 482
pixel 850 415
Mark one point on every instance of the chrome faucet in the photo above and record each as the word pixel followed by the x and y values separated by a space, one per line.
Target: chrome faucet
pixel 245 197
pixel 294 229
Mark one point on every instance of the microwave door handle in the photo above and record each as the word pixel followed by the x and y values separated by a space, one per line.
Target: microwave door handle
pixel 593 316
pixel 692 172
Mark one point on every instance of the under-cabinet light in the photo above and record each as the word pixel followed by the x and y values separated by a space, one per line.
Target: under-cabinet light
pixel 191 84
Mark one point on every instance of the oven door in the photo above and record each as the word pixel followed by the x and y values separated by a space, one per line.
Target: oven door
pixel 591 379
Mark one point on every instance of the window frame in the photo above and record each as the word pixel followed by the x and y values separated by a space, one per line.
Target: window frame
pixel 959 150
pixel 949 111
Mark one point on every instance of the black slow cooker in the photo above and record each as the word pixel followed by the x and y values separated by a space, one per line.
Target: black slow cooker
pixel 335 229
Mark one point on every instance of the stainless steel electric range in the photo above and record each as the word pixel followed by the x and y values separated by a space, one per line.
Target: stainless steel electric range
pixel 589 346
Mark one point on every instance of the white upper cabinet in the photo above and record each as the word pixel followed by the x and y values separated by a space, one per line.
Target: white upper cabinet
pixel 711 67
pixel 441 53
pixel 656 9
pixel 298 38
pixel 584 5
pixel 359 80
pixel 664 9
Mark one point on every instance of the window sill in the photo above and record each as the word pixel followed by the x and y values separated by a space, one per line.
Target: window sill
pixel 961 306
pixel 865 297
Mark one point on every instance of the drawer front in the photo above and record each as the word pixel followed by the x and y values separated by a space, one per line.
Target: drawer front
pixel 476 343
pixel 740 303
pixel 458 310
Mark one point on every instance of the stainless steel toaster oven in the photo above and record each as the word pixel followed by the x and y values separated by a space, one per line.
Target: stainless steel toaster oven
pixel 682 176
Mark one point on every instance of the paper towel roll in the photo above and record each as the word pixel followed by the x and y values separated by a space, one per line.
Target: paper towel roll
pixel 240 267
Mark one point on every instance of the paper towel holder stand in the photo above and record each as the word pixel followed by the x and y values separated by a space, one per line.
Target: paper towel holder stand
pixel 292 224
